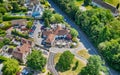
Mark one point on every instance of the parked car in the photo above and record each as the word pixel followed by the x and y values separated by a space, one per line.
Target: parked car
pixel 25 72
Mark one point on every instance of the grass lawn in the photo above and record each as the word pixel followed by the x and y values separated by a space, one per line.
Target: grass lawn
pixel 71 72
pixel 83 53
pixel 113 2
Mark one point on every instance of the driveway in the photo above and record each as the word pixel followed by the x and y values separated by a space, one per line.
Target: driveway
pixel 50 64
pixel 37 40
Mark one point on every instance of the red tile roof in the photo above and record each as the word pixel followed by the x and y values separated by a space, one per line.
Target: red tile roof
pixel 51 33
pixel 57 29
pixel 50 38
pixel 24 49
pixel 19 22
pixel 47 32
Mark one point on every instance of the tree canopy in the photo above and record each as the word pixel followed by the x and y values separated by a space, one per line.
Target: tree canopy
pixel 65 61
pixel 3 10
pixel 68 6
pixel 87 2
pixel 47 14
pixel 35 60
pixel 56 18
pixel 46 23
pixel 73 32
pixel 15 7
pixel 98 24
pixel 111 52
pixel 11 67
pixel 93 67
pixel 29 24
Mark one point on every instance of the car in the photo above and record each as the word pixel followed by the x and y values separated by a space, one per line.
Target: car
pixel 25 72
pixel 43 42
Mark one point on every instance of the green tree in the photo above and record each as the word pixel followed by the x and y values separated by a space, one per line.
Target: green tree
pixel 35 60
pixel 93 67
pixel 1 44
pixel 87 2
pixel 1 18
pixel 2 10
pixel 11 67
pixel 46 23
pixel 65 61
pixel 15 7
pixel 58 18
pixel 1 1
pixel 6 41
pixel 73 32
pixel 47 14
pixel 110 50
pixel 2 33
pixel 29 24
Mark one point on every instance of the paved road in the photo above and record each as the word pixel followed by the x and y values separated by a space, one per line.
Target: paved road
pixel 50 64
pixel 91 49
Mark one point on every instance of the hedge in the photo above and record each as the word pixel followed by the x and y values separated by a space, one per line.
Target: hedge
pixel 8 18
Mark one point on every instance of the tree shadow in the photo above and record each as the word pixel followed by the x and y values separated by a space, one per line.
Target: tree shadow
pixel 59 68
pixel 75 66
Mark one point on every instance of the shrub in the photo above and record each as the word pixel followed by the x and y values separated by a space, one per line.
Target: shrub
pixel 43 70
pixel 8 18
pixel 14 32
pixel 75 40
pixel 29 24
pixel 2 59
pixel 6 25
pixel 2 33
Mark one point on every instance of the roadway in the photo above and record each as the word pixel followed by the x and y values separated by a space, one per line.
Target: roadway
pixel 91 49
pixel 50 64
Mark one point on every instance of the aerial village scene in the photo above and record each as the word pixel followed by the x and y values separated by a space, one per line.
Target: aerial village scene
pixel 59 37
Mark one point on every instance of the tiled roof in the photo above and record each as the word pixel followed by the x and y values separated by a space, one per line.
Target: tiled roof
pixel 19 22
pixel 57 31
pixel 24 49
pixel 50 38
pixel 47 32
pixel 62 32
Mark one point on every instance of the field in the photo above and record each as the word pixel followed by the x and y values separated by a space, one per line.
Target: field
pixel 113 2
pixel 84 53
pixel 70 72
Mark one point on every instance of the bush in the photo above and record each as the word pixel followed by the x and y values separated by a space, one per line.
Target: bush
pixel 2 10
pixel 72 46
pixel 75 40
pixel 2 59
pixel 6 26
pixel 8 18
pixel 6 41
pixel 29 24
pixel 2 33
pixel 14 32
pixel 43 70
pixel 1 44
pixel 24 9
